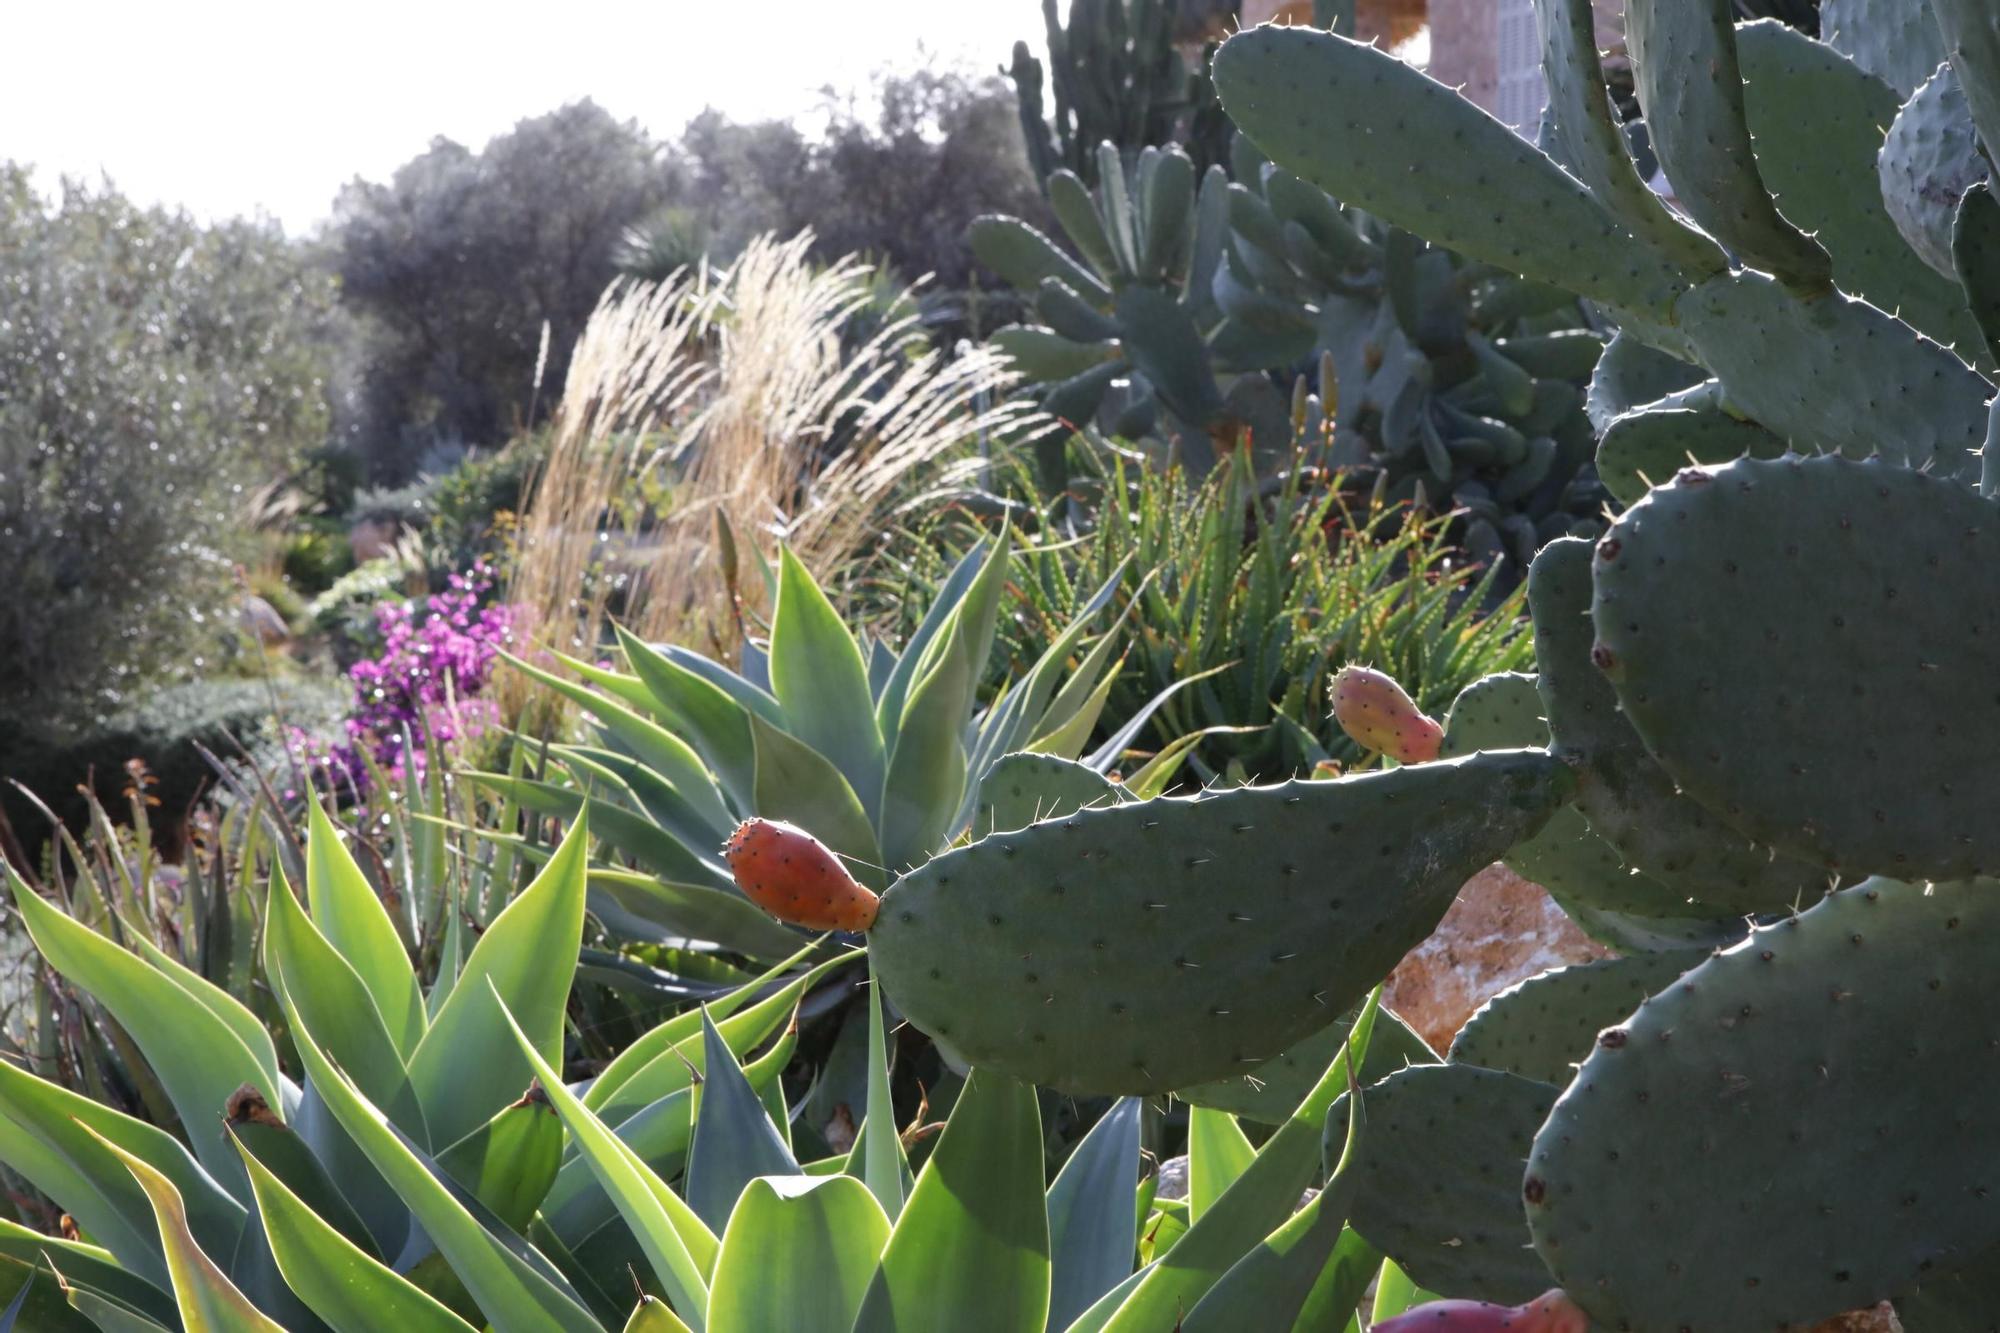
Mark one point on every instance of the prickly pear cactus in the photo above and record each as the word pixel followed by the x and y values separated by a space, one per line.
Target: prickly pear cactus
pixel 1800 1126
pixel 1152 946
pixel 1811 649
pixel 1543 1027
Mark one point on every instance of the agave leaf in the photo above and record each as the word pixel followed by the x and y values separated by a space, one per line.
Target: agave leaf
pixel 329 996
pixel 468 1065
pixel 198 1058
pixel 881 1148
pixel 653 1315
pixel 92 1265
pixel 734 1140
pixel 1093 1230
pixel 337 1280
pixel 689 912
pixel 927 768
pixel 358 926
pixel 512 1292
pixel 797 784
pixel 798 1254
pixel 717 724
pixel 510 1161
pixel 208 1301
pixel 819 676
pixel 649 742
pixel 1260 1200
pixel 971 1249
pixel 679 1247
pixel 629 832
pixel 939 617
pixel 1218 1153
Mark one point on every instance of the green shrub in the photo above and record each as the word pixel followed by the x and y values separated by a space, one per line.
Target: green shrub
pixel 151 369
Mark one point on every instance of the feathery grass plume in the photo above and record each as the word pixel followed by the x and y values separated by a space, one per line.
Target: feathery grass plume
pixel 781 395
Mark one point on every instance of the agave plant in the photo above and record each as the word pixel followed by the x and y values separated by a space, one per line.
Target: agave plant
pixel 879 753
pixel 418 1161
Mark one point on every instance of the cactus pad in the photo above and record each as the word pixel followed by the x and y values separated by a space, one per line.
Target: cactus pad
pixel 1928 161
pixel 1818 121
pixel 1894 40
pixel 1545 1026
pixel 1641 449
pixel 1370 130
pixel 1165 943
pixel 1272 1091
pixel 1811 647
pixel 1837 374
pixel 1631 374
pixel 1802 1125
pixel 1626 796
pixel 1502 711
pixel 1022 788
pixel 1440 1181
pixel 1684 69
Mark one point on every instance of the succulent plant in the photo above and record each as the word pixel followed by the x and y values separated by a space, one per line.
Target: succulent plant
pixel 1259 310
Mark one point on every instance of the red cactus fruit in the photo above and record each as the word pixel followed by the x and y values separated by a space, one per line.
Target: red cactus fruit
pixel 1375 712
pixel 1551 1312
pixel 796 877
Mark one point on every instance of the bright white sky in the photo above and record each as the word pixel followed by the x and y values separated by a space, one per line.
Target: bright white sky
pixel 229 107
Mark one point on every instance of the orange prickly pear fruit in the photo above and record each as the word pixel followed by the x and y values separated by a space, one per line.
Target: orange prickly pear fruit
pixel 796 877
pixel 1377 715
pixel 1551 1312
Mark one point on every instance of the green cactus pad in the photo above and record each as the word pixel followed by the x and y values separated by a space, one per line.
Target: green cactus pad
pixel 1975 253
pixel 1440 1181
pixel 1641 449
pixel 1818 122
pixel 1270 1093
pixel 1630 375
pixel 1545 1026
pixel 1971 32
pixel 1928 161
pixel 1967 1301
pixel 1593 142
pixel 1024 256
pixel 1625 795
pixel 1811 647
pixel 1165 943
pixel 1802 1125
pixel 1684 68
pixel 1502 711
pixel 1042 354
pixel 1837 374
pixel 1894 40
pixel 1374 132
pixel 1633 933
pixel 1021 789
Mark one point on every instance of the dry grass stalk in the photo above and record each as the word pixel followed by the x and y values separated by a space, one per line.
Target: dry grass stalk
pixel 737 391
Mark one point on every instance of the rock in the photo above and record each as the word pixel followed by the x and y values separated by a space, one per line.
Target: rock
pixel 1881 1319
pixel 1502 929
pixel 1173 1178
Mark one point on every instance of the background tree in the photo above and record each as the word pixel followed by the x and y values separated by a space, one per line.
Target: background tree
pixel 152 372
pixel 454 264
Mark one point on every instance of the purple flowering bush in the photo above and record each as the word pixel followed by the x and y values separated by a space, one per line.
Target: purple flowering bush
pixel 426 682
